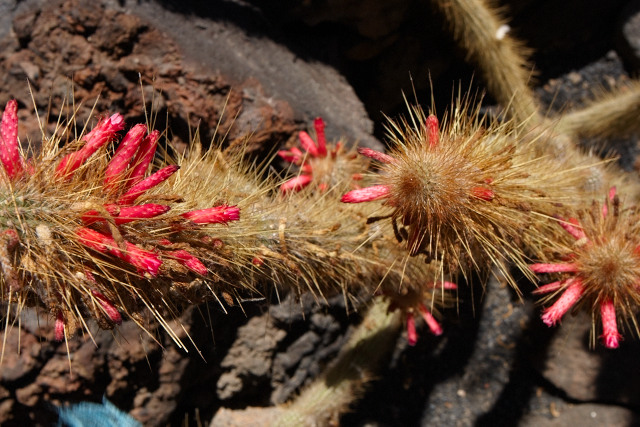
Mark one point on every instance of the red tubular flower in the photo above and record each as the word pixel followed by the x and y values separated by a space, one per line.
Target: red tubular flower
pixel 9 150
pixel 214 215
pixel 375 155
pixel 189 261
pixel 447 285
pixel 104 131
pixel 431 321
pixel 605 269
pixel 149 182
pixel 433 131
pixel 307 143
pixel 108 307
pixel 123 156
pixel 553 268
pixel 144 261
pixel 610 334
pixel 367 194
pixel 318 124
pixel 412 334
pixel 296 183
pixel 482 193
pixel 411 303
pixel 294 155
pixel 59 327
pixel 572 227
pixel 138 212
pixel 550 287
pixel 93 216
pixel 571 295
pixel 144 157
pixel 122 215
pixel 316 165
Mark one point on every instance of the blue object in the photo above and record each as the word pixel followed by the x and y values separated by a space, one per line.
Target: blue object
pixel 90 414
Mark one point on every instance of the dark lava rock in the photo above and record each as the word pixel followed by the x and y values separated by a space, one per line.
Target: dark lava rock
pixel 629 35
pixel 249 67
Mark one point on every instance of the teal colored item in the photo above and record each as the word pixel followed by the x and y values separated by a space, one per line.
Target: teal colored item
pixel 90 414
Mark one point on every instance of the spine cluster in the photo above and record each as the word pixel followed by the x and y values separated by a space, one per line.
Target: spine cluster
pixel 92 235
pixel 82 234
pixel 87 234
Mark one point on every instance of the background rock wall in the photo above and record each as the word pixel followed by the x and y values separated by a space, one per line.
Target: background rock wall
pixel 246 67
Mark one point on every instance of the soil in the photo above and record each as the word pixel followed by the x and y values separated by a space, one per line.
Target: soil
pixel 240 67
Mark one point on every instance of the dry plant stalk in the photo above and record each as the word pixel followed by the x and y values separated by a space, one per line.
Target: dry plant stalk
pixel 82 234
pixel 600 269
pixel 503 61
pixel 603 278
pixel 343 382
pixel 465 193
pixel 88 235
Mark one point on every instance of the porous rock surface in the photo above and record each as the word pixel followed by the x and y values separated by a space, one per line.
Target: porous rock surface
pixel 271 72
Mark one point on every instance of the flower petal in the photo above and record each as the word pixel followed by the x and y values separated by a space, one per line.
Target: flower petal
pixel 296 183
pixel 9 149
pixel 366 194
pixel 568 298
pixel 149 182
pixel 214 215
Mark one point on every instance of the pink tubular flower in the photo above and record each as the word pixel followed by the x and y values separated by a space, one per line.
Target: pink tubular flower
pixel 144 261
pixel 296 183
pixel 433 132
pixel 447 285
pixel 101 134
pixel 318 123
pixel 611 196
pixel 123 156
pixel 307 143
pixel 431 321
pixel 568 299
pixel 189 261
pixel 108 307
pixel 482 193
pixel 605 268
pixel 412 334
pixel 550 287
pixel 122 215
pixel 214 215
pixel 610 333
pixel 375 155
pixel 9 151
pixel 553 268
pixel 93 216
pixel 138 212
pixel 294 155
pixel 434 327
pixel 411 303
pixel 316 158
pixel 59 327
pixel 367 194
pixel 143 158
pixel 572 227
pixel 314 150
pixel 149 182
